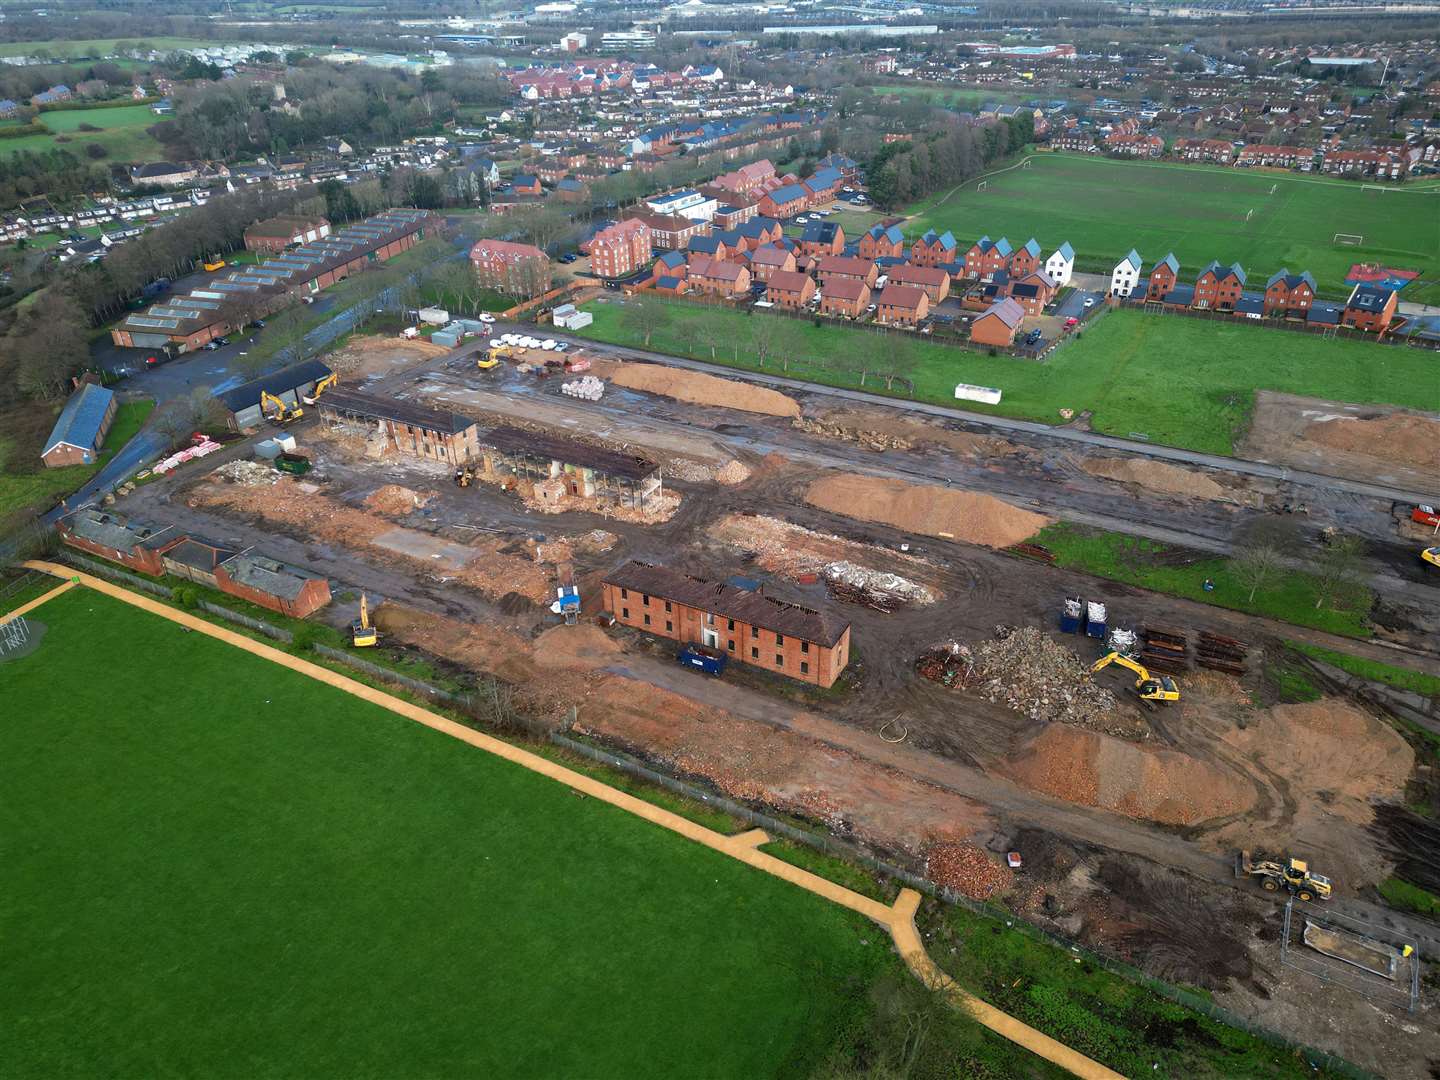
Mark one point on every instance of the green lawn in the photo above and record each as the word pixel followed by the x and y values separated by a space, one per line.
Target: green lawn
pixel 39 489
pixel 1141 562
pixel 63 49
pixel 1407 897
pixel 251 874
pixel 1182 382
pixel 1105 207
pixel 124 133
pixel 1400 678
pixel 962 98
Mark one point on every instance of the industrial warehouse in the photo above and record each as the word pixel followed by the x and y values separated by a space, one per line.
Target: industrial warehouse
pixel 226 304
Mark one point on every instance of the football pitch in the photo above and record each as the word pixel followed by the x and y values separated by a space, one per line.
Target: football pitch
pixel 215 866
pixel 1105 207
pixel 122 133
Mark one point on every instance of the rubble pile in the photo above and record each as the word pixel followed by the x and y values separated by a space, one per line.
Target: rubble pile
pixel 866 437
pixel 967 870
pixel 396 500
pixel 1026 671
pixel 586 388
pixel 247 473
pixel 950 664
pixel 689 470
pixel 877 588
pixel 731 473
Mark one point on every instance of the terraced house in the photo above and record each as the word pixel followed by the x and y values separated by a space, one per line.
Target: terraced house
pixel 737 620
pixel 1289 295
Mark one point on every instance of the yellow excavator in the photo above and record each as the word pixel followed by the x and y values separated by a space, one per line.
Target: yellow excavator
pixel 1149 687
pixel 491 357
pixel 1431 555
pixel 362 634
pixel 323 385
pixel 283 414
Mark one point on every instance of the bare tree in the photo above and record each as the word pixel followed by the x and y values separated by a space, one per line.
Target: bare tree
pixel 643 316
pixel 1255 565
pixel 1338 577
pixel 764 330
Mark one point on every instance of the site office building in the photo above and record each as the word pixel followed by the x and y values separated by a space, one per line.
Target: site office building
pixel 741 622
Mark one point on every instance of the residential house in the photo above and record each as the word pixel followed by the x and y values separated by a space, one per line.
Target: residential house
pixel 986 256
pixel 1162 279
pixel 789 289
pixel 518 269
pixel 998 324
pixel 1025 260
pixel 79 432
pixel 822 238
pixel 1135 146
pixel 829 268
pixel 163 173
pixel 1288 295
pixel 932 249
pixel 274 235
pixel 1370 308
pixel 1271 156
pixel 53 96
pixel 671 264
pixel 738 621
pixel 1216 151
pixel 621 249
pixel 882 242
pixel 1033 292
pixel 934 281
pixel 770 259
pixel 1076 140
pixel 525 184
pixel 708 247
pixel 1059 266
pixel 718 277
pixel 845 297
pixel 1218 288
pixel 901 305
pixel 671 232
pixel 785 202
pixel 1125 276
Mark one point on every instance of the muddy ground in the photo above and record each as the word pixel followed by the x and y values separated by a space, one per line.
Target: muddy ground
pixel 1102 821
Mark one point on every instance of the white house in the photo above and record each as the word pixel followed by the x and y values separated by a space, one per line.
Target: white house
pixel 689 204
pixel 1060 265
pixel 1126 275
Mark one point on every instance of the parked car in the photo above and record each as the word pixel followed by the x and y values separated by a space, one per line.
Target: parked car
pixel 569 257
pixel 1089 301
pixel 1071 322
pixel 210 346
pixel 486 317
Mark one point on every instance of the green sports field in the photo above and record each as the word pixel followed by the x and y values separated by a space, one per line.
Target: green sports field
pixel 1105 207
pixel 1174 380
pixel 213 866
pixel 62 49
pixel 123 133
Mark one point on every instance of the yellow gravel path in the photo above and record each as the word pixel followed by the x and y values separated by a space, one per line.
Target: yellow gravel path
pixel 899 920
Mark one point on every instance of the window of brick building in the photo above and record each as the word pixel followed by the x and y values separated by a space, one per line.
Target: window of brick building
pixel 754 653
pixel 779 640
pixel 647 620
pixel 804 668
pixel 624 594
pixel 645 599
pixel 669 627
pixel 624 612
pixel 732 644
pixel 667 607
pixel 779 659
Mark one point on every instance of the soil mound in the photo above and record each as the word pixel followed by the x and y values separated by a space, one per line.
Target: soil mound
pixel 1163 786
pixel 584 646
pixel 1412 440
pixel 396 500
pixel 698 388
pixel 925 509
pixel 1156 476
pixel 966 869
pixel 1332 747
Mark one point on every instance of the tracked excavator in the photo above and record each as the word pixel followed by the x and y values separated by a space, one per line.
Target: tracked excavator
pixel 283 414
pixel 362 634
pixel 1149 687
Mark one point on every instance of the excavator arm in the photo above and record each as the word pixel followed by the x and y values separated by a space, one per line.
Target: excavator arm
pixel 1149 687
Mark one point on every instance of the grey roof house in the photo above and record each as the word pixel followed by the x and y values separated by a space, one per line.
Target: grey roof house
pixel 80 430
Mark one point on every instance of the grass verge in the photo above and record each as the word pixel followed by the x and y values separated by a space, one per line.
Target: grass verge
pixel 26 484
pixel 1407 897
pixel 1155 566
pixel 1401 678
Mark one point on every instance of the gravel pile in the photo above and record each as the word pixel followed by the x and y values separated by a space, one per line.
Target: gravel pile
pixel 249 473
pixel 967 870
pixel 1027 671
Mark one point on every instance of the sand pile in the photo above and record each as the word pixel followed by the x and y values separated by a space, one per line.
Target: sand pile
pixel 583 646
pixel 397 500
pixel 1156 476
pixel 376 355
pixel 698 388
pixel 1401 437
pixel 731 473
pixel 883 430
pixel 1332 747
pixel 1092 769
pixel 966 869
pixel 925 509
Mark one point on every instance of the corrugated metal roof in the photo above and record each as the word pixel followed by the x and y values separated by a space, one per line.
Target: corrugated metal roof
pixel 277 382
pixel 80 420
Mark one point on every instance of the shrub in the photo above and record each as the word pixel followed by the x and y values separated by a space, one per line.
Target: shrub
pixel 95 151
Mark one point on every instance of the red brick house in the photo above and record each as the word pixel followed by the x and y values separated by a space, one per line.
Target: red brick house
pixel 1033 292
pixel 718 277
pixel 745 625
pixel 986 256
pixel 501 264
pixel 785 202
pixel 882 241
pixel 1026 259
pixel 932 279
pixel 1163 279
pixel 789 289
pixel 934 250
pixel 619 250
pixel 831 267
pixel 845 297
pixel 770 259
pixel 901 305
pixel 997 326
pixel 1370 308
pixel 822 238
pixel 670 232
pixel 1214 150
pixel 1289 296
pixel 1218 288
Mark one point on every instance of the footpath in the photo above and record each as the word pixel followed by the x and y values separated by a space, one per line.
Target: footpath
pixel 898 919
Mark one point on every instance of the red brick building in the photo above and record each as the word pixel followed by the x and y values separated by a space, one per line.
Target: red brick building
pixel 1163 279
pixel 1219 288
pixel 619 250
pixel 829 268
pixel 901 305
pixel 519 269
pixel 845 297
pixel 670 232
pixel 997 326
pixel 1033 292
pixel 718 277
pixel 789 289
pixel 932 279
pixel 1288 295
pixel 1370 308
pixel 1026 260
pixel 882 241
pixel 747 626
pixel 985 257
pixel 274 235
pixel 769 259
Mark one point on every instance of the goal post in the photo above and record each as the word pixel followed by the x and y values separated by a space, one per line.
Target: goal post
pixel 982 185
pixel 1378 189
pixel 1348 239
pixel 1274 188
pixel 1249 213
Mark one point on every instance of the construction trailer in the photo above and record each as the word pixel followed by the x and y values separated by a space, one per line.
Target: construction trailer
pixel 559 467
pixel 407 428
